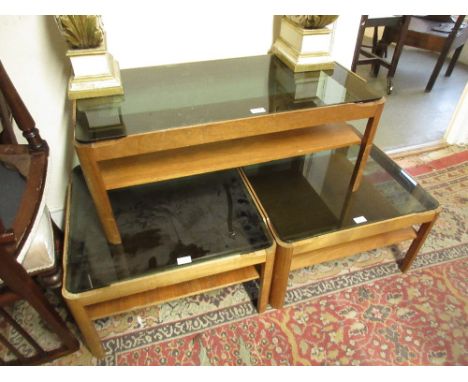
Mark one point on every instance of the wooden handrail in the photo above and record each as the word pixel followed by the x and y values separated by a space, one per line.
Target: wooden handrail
pixel 20 113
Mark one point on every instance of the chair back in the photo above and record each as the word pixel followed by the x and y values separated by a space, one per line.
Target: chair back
pixel 20 113
pixel 23 170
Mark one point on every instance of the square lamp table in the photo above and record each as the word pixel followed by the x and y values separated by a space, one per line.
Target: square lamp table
pixel 179 238
pixel 314 217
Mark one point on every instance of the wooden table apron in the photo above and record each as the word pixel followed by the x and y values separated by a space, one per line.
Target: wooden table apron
pixel 100 161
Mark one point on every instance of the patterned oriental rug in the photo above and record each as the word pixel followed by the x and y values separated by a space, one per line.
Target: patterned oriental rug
pixel 356 311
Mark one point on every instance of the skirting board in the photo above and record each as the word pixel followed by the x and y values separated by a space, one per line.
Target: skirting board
pixel 428 146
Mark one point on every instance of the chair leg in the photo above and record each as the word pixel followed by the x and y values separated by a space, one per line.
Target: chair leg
pixel 357 49
pixel 399 46
pixel 435 72
pixel 443 53
pixel 23 285
pixel 375 50
pixel 52 279
pixel 453 61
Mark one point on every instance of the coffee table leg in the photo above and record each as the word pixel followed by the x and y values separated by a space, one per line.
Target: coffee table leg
pixel 416 245
pixel 366 147
pixel 265 280
pixel 99 194
pixel 283 259
pixel 87 328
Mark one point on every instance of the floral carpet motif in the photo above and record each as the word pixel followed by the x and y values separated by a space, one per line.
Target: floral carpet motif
pixel 395 321
pixel 357 311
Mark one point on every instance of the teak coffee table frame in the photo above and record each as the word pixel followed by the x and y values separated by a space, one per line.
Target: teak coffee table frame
pixel 343 243
pixel 196 149
pixel 189 150
pixel 167 285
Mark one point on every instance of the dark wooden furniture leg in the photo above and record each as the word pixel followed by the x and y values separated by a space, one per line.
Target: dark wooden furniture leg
pixel 357 49
pixel 453 61
pixel 397 52
pixel 20 283
pixel 375 50
pixel 399 27
pixel 443 53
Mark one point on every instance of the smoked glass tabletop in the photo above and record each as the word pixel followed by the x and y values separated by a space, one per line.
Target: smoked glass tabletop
pixel 171 96
pixel 308 196
pixel 163 225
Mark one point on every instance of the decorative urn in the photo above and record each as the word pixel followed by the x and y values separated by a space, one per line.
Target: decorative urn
pixel 95 72
pixel 304 42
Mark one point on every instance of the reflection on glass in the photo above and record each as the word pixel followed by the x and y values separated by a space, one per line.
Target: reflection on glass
pixel 308 195
pixel 100 118
pixel 202 217
pixel 163 97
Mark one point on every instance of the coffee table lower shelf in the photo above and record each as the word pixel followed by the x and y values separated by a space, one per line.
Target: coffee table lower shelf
pixel 298 255
pixel 171 292
pixel 166 286
pixel 339 251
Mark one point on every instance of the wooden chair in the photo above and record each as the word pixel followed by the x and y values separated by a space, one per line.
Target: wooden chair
pixel 375 55
pixel 430 33
pixel 21 210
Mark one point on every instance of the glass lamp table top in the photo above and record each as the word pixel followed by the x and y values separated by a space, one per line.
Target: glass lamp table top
pixel 309 196
pixel 163 225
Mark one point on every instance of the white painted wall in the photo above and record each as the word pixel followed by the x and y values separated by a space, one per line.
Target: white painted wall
pixel 146 41
pixel 166 41
pixel 34 55
pixel 344 38
pixel 457 132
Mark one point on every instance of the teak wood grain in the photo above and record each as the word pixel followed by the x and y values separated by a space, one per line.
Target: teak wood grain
pixel 171 164
pixel 341 243
pixel 171 292
pixel 416 245
pixel 169 277
pixel 362 231
pixel 188 150
pixel 149 157
pixel 279 284
pixel 346 243
pixel 185 136
pixel 304 259
pixel 366 147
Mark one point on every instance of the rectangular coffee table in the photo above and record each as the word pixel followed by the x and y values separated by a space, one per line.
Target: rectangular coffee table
pixel 187 119
pixel 179 238
pixel 315 218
